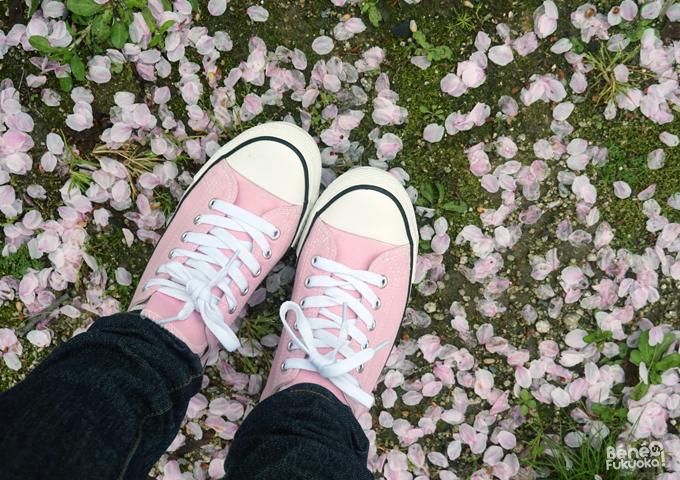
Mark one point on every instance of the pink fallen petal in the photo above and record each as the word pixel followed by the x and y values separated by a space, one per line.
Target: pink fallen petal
pixel 500 55
pixel 656 159
pixel 123 277
pixel 647 193
pixel 578 82
pixel 99 74
pixel 48 161
pixel 440 244
pixel 493 455
pixel 355 25
pixel 258 14
pixel 322 45
pixel 216 468
pixel 39 338
pixel 217 7
pixel 523 377
pixel 120 132
pixel 161 95
pixel 526 44
pixel 561 398
pixel 563 110
pixel 655 336
pixel 438 459
pixel 412 398
pixel 669 139
pixel 507 440
pixel 622 189
pixel 505 147
pixel 421 61
pixel 629 10
pixel 482 41
pixel 572 275
pixel 433 133
pixel 490 183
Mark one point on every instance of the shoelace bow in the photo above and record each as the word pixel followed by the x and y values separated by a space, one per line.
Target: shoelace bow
pixel 315 334
pixel 192 282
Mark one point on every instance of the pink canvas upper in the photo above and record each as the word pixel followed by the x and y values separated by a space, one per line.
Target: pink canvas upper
pixel 358 253
pixel 221 182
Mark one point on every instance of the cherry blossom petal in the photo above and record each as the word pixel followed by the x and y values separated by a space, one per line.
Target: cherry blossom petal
pixel 669 139
pixel 500 55
pixel 322 45
pixel 217 7
pixel 258 14
pixel 433 133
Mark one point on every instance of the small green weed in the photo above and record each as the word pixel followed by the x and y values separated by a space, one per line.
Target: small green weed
pixel 423 47
pixel 433 116
pixel 656 366
pixel 467 21
pixel 18 263
pixel 374 15
pixel 103 26
pixel 527 401
pixel 427 199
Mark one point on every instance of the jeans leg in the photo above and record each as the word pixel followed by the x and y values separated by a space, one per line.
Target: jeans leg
pixel 303 432
pixel 104 405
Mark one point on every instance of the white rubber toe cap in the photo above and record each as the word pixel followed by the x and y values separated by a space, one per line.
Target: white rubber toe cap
pixel 371 203
pixel 279 157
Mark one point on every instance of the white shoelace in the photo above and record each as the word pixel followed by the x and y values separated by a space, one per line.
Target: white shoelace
pixel 193 281
pixel 315 334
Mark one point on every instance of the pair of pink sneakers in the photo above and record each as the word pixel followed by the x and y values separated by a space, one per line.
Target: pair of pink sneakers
pixel 356 245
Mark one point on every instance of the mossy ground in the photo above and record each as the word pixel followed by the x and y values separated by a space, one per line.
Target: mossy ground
pixel 295 24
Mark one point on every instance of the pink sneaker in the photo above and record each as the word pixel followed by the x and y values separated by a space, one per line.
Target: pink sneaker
pixel 244 209
pixel 353 279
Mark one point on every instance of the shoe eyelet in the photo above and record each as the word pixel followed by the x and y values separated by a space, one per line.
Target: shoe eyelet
pixel 257 274
pixel 290 346
pixel 267 255
pixel 211 203
pixel 232 310
pixel 245 291
pixel 276 235
pixel 295 327
pixel 364 347
pixel 371 327
pixel 360 368
pixel 307 281
pixel 314 259
pixel 383 284
pixel 145 288
pixel 184 236
pixel 171 255
pixel 377 305
pixel 283 367
pixel 197 220
pixel 157 273
pixel 302 303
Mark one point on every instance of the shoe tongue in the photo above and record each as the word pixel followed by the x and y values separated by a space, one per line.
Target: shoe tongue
pixel 247 191
pixel 357 253
pixel 161 306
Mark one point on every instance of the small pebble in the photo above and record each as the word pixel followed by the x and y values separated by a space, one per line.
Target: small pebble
pixel 542 326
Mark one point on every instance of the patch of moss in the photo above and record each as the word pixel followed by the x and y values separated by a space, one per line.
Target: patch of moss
pixel 18 263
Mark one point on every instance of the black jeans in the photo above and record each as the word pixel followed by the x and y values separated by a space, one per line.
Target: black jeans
pixel 108 403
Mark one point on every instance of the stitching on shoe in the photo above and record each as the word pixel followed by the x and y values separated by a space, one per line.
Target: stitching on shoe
pixel 311 391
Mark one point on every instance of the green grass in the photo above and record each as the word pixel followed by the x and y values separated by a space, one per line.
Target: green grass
pixel 547 452
pixel 18 263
